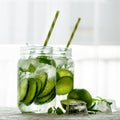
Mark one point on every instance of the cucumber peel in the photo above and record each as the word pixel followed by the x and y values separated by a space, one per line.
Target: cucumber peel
pixel 31 93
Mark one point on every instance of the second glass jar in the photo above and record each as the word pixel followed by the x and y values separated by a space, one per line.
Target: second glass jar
pixel 64 73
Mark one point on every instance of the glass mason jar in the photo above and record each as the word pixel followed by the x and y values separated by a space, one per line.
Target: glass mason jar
pixel 64 71
pixel 36 79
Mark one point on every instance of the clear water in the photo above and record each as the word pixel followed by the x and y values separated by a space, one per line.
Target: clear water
pixel 33 108
pixel 37 68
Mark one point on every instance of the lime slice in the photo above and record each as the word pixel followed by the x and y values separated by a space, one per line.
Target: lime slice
pixel 63 72
pixel 42 79
pixel 66 102
pixel 22 89
pixel 81 94
pixel 64 85
pixel 46 99
pixel 32 88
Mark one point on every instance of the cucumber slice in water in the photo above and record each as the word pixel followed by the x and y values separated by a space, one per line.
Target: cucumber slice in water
pixel 39 86
pixel 63 72
pixel 22 89
pixel 48 87
pixel 42 77
pixel 64 85
pixel 31 92
pixel 47 98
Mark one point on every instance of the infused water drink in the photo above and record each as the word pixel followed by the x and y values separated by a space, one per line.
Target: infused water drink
pixel 36 79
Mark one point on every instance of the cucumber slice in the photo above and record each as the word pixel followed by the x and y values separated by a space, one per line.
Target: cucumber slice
pixel 32 88
pixel 42 77
pixel 46 99
pixel 64 85
pixel 63 72
pixel 49 86
pixel 22 89
pixel 39 86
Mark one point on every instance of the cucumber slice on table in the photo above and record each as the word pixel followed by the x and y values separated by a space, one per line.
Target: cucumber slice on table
pixel 31 92
pixel 64 85
pixel 22 89
pixel 63 72
pixel 46 99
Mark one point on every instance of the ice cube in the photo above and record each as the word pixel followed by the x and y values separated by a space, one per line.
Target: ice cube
pixel 103 107
pixel 49 69
pixel 61 62
pixel 76 108
pixel 24 64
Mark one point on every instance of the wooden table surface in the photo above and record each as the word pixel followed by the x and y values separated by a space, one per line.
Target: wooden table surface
pixel 14 114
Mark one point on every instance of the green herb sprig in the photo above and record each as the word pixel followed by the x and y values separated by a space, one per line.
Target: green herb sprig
pixel 91 110
pixel 54 110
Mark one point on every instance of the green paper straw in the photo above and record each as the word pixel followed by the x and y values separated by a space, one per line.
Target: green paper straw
pixel 51 28
pixel 73 32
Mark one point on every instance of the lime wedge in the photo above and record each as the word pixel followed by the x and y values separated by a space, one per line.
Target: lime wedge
pixel 81 94
pixel 64 85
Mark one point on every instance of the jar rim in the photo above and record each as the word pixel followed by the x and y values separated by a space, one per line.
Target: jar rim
pixel 61 48
pixel 35 47
pixel 35 50
pixel 62 51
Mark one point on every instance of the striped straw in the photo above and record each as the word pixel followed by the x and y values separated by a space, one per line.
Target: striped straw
pixel 51 28
pixel 73 32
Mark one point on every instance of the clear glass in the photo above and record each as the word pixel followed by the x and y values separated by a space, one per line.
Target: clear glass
pixel 65 72
pixel 36 79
